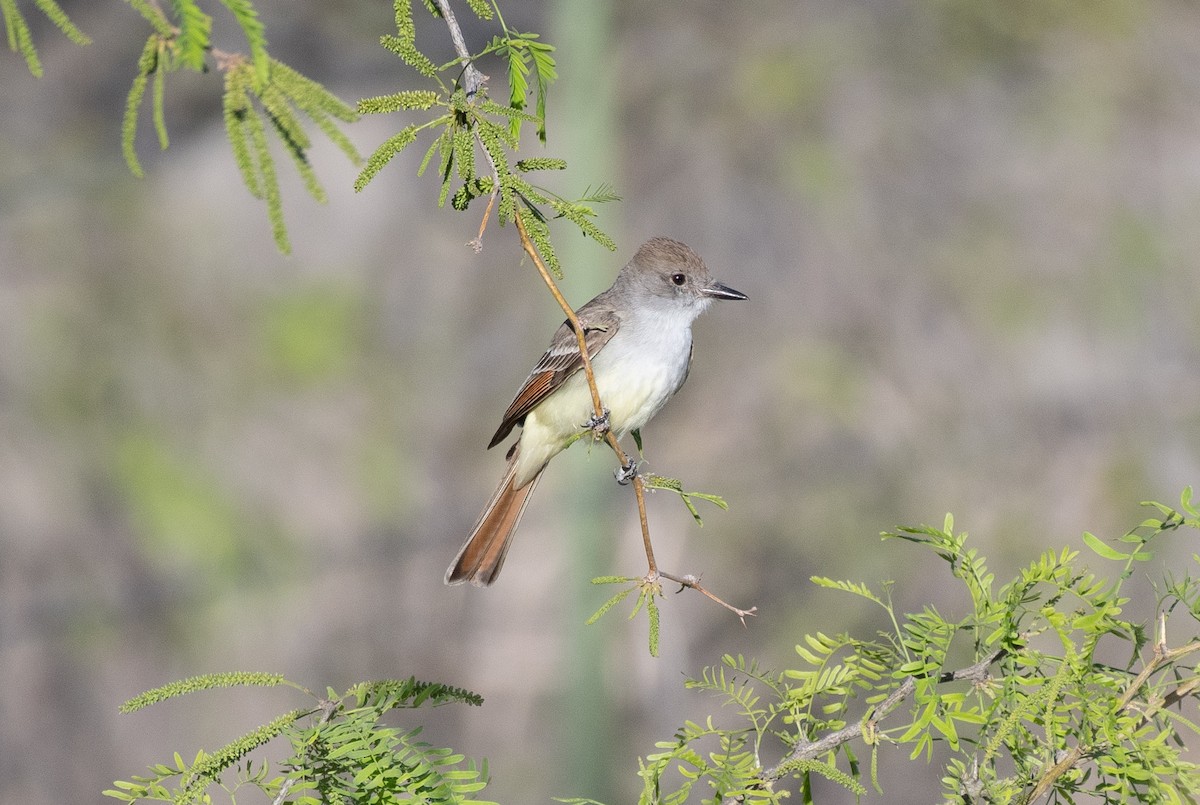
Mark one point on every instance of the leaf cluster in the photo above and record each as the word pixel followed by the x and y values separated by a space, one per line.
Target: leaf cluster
pixel 474 138
pixel 648 590
pixel 341 750
pixel 1012 699
pixel 261 94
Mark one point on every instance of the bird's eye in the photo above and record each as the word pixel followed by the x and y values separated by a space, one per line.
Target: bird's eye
pixel 678 279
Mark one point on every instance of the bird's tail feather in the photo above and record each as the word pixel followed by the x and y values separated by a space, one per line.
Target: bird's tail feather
pixel 482 555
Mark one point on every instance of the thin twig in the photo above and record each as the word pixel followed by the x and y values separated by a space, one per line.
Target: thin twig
pixel 693 582
pixel 283 791
pixel 472 78
pixel 225 59
pixel 580 337
pixel 477 243
pixel 472 82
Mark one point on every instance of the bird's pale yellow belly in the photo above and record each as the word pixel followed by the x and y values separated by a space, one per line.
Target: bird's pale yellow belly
pixel 633 391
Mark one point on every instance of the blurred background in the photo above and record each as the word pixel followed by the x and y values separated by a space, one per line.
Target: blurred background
pixel 967 231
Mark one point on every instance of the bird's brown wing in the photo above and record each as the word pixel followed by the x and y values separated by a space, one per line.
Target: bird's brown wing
pixel 560 362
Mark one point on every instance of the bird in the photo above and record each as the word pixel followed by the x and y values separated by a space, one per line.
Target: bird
pixel 639 341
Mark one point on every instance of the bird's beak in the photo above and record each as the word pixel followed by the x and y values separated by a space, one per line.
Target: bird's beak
pixel 718 291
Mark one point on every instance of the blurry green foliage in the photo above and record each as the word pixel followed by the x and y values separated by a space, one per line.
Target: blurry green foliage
pixel 1006 30
pixel 20 39
pixel 179 510
pixel 311 334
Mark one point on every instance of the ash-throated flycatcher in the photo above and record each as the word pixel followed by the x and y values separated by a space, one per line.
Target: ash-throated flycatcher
pixel 639 339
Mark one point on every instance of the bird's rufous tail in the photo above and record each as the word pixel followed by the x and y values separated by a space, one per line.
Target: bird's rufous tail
pixel 482 555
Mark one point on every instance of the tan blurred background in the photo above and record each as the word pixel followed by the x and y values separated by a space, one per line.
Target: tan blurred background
pixel 968 233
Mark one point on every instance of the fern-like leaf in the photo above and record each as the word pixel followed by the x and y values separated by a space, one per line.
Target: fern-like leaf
pixel 652 614
pixel 195 34
pixel 158 108
pixel 390 694
pixel 310 95
pixel 612 601
pixel 481 9
pixel 299 156
pixel 541 164
pixel 261 152
pixel 383 155
pixel 237 112
pixel 848 587
pixel 403 44
pixel 335 135
pixel 826 770
pixel 409 99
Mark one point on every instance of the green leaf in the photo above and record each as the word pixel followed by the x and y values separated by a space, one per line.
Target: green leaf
pixel 1101 548
pixel 652 612
pixel 383 155
pixel 270 183
pixel 147 63
pixel 153 14
pixel 195 34
pixel 56 15
pixel 404 43
pixel 541 164
pixel 310 95
pixel 19 38
pixel 157 109
pixel 237 112
pixel 481 9
pixel 848 587
pixel 611 602
pixel 409 99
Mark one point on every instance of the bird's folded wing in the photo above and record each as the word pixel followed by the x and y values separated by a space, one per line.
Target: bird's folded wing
pixel 560 362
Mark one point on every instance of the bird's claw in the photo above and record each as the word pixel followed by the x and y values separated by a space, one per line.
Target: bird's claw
pixel 626 472
pixel 598 424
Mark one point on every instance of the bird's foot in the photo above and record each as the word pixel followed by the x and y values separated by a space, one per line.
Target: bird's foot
pixel 626 472
pixel 598 425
